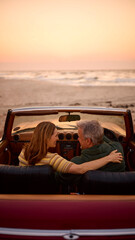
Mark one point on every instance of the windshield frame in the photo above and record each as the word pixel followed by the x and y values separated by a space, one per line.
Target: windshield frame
pixel 56 111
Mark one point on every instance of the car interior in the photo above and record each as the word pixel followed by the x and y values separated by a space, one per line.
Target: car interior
pixel 27 179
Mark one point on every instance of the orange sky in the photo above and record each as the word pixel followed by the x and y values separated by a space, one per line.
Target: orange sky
pixel 67 34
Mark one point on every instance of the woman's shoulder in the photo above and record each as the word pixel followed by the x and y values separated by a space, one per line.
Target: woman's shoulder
pixel 50 154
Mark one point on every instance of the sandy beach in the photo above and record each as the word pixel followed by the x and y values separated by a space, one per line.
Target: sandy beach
pixel 23 93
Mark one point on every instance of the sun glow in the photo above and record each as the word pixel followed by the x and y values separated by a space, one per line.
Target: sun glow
pixel 67 34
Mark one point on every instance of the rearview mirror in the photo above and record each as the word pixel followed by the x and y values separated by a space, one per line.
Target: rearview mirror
pixel 69 118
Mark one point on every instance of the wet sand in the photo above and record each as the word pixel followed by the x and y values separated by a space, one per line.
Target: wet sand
pixel 23 93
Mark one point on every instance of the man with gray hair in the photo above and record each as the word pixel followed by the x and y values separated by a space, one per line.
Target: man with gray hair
pixel 94 145
pixel 90 133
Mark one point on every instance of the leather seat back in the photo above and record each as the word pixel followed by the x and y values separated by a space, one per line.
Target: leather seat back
pixel 27 180
pixel 100 182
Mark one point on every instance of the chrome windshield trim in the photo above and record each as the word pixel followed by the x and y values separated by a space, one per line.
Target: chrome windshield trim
pixel 62 233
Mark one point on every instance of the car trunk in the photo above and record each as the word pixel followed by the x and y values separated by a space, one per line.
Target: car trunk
pixel 67 217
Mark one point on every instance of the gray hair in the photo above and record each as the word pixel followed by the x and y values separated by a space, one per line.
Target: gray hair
pixel 93 130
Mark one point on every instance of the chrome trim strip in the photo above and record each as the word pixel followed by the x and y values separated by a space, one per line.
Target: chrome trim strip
pixel 62 233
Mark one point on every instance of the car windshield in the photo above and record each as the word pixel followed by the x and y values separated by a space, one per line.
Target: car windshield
pixel 28 123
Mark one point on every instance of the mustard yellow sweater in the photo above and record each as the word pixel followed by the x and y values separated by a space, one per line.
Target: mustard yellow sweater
pixel 56 161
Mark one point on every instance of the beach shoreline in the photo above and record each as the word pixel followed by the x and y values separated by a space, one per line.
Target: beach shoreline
pixel 23 93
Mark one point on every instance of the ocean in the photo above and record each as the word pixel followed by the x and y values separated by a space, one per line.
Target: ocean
pixel 76 78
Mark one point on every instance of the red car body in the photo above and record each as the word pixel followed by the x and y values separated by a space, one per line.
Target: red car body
pixel 67 217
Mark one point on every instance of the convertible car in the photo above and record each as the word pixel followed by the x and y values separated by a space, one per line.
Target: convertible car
pixel 33 205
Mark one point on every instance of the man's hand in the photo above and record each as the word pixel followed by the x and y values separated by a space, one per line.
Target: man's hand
pixel 115 157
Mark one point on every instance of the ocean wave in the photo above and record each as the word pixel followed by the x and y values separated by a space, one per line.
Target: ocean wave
pixel 76 78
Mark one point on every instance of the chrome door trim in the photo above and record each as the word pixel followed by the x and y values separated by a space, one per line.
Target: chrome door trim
pixel 75 233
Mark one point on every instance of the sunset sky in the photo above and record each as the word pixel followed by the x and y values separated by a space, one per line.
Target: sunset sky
pixel 67 34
